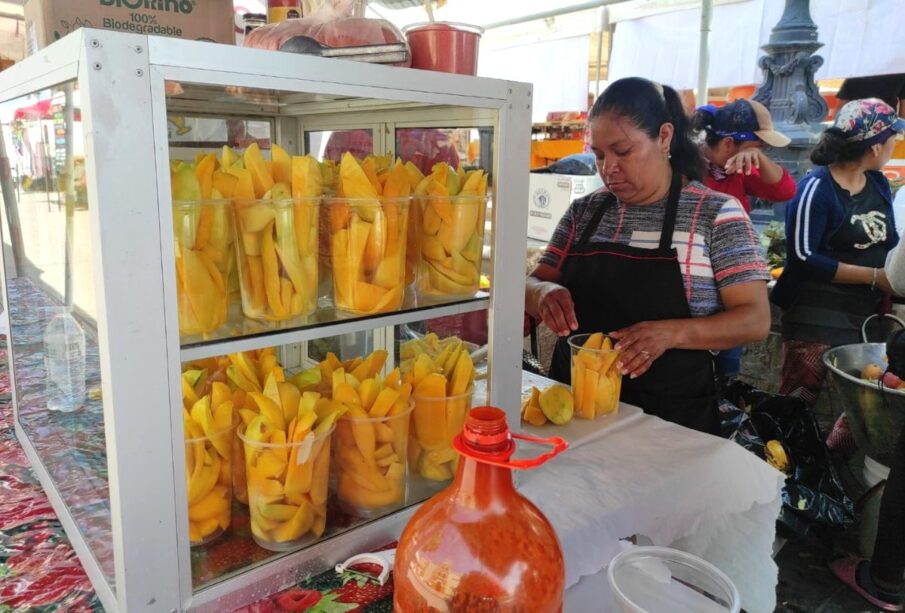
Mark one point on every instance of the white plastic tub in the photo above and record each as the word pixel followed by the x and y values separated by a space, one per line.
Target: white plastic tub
pixel 664 580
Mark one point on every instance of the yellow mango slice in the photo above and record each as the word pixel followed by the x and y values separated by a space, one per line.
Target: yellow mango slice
pixel 216 502
pixel 384 402
pixel 201 289
pixel 594 341
pixel 224 183
pixel 605 396
pixel 320 475
pixel 582 409
pixel 556 403
pixel 589 392
pixel 531 412
pixel 297 525
pixel 463 374
pixel 282 164
pixel 260 173
pixel 368 392
pixel 368 296
pixel 454 235
pixel 363 431
pixel 430 412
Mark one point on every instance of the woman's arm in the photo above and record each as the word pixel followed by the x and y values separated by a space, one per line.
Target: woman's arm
pixel 807 221
pixel 771 182
pixel 849 274
pixel 746 319
pixel 549 302
pixel 770 172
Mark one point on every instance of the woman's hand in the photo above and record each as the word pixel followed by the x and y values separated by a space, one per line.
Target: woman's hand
pixel 553 305
pixel 642 343
pixel 744 161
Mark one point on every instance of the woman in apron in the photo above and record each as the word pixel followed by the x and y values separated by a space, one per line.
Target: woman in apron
pixel 839 228
pixel 667 267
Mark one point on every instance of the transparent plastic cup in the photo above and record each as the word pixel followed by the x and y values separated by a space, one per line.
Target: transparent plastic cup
pixel 287 489
pixel 366 252
pixel 370 456
pixel 450 233
pixel 208 468
pixel 204 263
pixel 277 253
pixel 435 423
pixel 654 579
pixel 596 382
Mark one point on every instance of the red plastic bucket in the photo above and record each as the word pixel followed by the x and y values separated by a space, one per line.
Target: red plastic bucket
pixel 444 46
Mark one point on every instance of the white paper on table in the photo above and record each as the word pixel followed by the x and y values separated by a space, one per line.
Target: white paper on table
pixel 680 488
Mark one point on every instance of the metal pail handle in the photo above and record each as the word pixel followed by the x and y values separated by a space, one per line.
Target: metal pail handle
pixel 889 315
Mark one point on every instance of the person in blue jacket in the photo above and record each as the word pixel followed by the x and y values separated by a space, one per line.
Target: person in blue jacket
pixel 839 228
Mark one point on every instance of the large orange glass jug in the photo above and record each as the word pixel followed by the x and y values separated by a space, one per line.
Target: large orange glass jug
pixel 479 545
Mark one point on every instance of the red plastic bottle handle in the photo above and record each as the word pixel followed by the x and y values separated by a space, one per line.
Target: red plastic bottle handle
pixel 502 459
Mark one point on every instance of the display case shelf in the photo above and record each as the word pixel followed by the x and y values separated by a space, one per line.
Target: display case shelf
pixel 250 334
pixel 88 223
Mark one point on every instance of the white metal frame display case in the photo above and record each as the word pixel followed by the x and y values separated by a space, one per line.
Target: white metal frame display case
pixel 141 559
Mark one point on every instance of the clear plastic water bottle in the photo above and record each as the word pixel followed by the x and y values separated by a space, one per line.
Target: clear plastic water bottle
pixel 64 362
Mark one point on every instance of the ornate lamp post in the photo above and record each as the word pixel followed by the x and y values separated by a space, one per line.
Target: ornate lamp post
pixel 789 89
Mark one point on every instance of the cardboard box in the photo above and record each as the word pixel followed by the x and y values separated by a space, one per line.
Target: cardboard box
pixel 549 197
pixel 50 20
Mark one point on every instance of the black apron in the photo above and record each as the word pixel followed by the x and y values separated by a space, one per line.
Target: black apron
pixel 832 313
pixel 614 286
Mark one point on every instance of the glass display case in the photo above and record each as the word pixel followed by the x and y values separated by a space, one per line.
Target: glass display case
pixel 192 231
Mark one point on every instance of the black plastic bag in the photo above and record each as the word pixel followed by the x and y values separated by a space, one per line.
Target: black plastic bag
pixel 814 505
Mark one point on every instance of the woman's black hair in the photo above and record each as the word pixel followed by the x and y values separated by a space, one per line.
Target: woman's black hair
pixel 649 105
pixel 702 121
pixel 833 148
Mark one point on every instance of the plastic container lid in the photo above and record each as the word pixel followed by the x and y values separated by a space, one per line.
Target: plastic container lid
pixel 655 579
pixel 443 26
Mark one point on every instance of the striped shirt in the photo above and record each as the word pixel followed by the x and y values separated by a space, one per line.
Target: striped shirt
pixel 714 238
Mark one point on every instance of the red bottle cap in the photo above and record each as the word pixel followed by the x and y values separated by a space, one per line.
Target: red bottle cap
pixel 486 438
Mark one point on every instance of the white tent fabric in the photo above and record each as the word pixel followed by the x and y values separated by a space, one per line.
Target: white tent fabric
pixel 558 70
pixel 861 37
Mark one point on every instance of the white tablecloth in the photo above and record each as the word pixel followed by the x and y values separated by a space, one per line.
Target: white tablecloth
pixel 679 488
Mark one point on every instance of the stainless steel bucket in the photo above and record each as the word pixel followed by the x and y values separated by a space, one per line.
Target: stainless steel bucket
pixel 876 414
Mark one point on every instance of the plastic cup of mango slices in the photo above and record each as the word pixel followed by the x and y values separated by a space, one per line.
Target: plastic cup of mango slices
pixel 450 244
pixel 596 381
pixel 370 455
pixel 437 419
pixel 277 250
pixel 208 467
pixel 367 252
pixel 287 482
pixel 204 263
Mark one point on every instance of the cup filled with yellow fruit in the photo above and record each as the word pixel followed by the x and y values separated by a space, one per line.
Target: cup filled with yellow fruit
pixel 442 375
pixel 276 207
pixel 596 381
pixel 367 227
pixel 450 212
pixel 209 427
pixel 202 228
pixel 371 439
pixel 287 467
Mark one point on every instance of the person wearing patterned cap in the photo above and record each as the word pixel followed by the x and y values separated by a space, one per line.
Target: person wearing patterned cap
pixel 839 229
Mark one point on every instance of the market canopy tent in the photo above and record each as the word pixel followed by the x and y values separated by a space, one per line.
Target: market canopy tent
pixel 660 39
